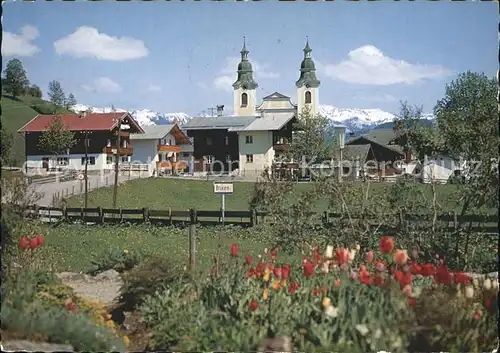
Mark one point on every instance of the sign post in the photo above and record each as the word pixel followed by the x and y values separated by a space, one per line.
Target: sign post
pixel 223 189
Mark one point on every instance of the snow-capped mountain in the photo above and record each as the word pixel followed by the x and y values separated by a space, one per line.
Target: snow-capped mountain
pixel 144 117
pixel 355 120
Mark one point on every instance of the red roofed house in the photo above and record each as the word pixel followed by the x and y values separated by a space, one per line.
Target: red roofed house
pixel 101 130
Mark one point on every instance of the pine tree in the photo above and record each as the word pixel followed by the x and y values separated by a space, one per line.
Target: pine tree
pixel 70 101
pixel 56 93
pixel 16 81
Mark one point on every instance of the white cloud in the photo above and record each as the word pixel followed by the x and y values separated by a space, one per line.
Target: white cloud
pixel 227 76
pixel 20 44
pixel 88 42
pixel 103 85
pixel 153 88
pixel 378 98
pixel 369 66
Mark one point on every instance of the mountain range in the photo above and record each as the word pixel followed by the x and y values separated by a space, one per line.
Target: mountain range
pixel 357 121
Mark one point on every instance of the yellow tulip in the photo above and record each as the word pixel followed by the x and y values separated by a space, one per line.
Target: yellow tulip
pixel 469 292
pixel 126 340
pixel 487 284
pixel 326 302
pixel 265 296
pixel 276 284
pixel 125 251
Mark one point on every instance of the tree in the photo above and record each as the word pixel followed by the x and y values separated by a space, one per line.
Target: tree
pixel 6 145
pixel 57 139
pixel 35 91
pixel 309 141
pixel 16 81
pixel 56 93
pixel 70 101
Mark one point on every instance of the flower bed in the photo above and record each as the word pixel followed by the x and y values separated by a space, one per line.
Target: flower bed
pixel 336 300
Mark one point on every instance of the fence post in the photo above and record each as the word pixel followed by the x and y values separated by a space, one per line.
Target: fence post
pixel 50 217
pixel 327 218
pixel 253 217
pixel 101 214
pixel 73 190
pixel 170 214
pixel 192 240
pixel 81 188
pixel 64 213
pixel 121 215
pixel 106 181
pixel 455 220
pixel 145 214
pixel 37 212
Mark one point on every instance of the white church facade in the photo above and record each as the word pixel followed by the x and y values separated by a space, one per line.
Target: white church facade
pixel 251 139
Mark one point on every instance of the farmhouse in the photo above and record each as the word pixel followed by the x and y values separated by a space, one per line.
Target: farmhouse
pixel 254 137
pixel 164 148
pixel 99 130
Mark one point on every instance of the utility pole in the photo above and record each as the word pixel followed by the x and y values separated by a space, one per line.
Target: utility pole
pixel 86 142
pixel 115 190
pixel 212 111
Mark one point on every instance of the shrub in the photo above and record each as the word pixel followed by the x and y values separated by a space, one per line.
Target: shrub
pixel 116 259
pixel 147 278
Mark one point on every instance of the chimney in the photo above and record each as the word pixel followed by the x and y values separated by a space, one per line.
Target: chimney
pixel 351 136
pixel 220 110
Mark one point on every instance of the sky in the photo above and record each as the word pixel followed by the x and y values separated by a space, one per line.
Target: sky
pixel 183 56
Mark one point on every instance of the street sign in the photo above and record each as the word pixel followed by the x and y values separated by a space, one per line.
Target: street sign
pixel 223 188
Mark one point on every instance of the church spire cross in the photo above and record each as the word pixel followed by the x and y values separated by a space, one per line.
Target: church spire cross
pixel 244 51
pixel 307 49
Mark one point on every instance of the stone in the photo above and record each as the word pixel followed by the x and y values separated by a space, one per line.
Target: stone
pixel 31 346
pixel 108 275
pixel 72 276
pixel 277 344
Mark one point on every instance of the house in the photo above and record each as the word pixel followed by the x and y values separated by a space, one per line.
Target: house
pixel 439 169
pixel 388 151
pixel 99 129
pixel 252 139
pixel 163 148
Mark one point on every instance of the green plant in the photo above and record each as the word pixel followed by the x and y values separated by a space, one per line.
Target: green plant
pixel 147 278
pixel 116 259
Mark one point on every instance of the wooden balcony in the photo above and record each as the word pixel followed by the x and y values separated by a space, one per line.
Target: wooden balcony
pixel 174 166
pixel 169 148
pixel 124 151
pixel 281 147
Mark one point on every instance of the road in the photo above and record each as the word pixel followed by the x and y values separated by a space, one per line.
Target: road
pixel 75 187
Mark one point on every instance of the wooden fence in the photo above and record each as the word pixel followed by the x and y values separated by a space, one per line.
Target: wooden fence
pixel 478 223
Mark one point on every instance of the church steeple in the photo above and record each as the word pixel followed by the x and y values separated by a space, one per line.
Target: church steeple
pixel 245 72
pixel 307 70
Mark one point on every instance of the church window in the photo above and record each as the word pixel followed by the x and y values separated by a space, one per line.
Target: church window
pixel 244 99
pixel 308 97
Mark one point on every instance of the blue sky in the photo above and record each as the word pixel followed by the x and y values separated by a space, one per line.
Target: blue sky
pixel 182 56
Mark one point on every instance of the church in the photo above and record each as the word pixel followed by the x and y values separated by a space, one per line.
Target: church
pixel 248 142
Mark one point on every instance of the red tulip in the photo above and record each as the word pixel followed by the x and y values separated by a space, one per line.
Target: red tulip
pixel 293 287
pixel 364 277
pixel 253 305
pixel 248 260
pixel 442 275
pixel 277 272
pixel 369 257
pixel 416 269
pixel 40 239
pixel 427 269
pixel 23 242
pixel 315 291
pixel 378 281
pixel 33 243
pixel 462 278
pixel 234 250
pixel 386 244
pixel 342 255
pixel 285 272
pixel 308 269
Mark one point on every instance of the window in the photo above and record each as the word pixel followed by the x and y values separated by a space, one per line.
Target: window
pixel 185 154
pixel 249 158
pixel 227 140
pixel 124 144
pixel 62 161
pixel 249 139
pixel 209 141
pixel 160 157
pixel 244 99
pixel 90 160
pixel 124 158
pixel 109 159
pixel 308 97
pixel 171 142
pixel 209 159
pixel 108 143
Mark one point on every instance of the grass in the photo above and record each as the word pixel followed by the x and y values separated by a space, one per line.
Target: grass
pixel 179 194
pixel 72 247
pixel 19 111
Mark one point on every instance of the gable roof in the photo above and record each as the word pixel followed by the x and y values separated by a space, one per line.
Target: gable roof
pixel 76 122
pixel 380 136
pixel 269 122
pixel 156 132
pixel 276 96
pixel 353 152
pixel 218 122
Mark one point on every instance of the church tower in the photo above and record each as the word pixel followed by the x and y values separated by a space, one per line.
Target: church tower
pixel 307 84
pixel 245 93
